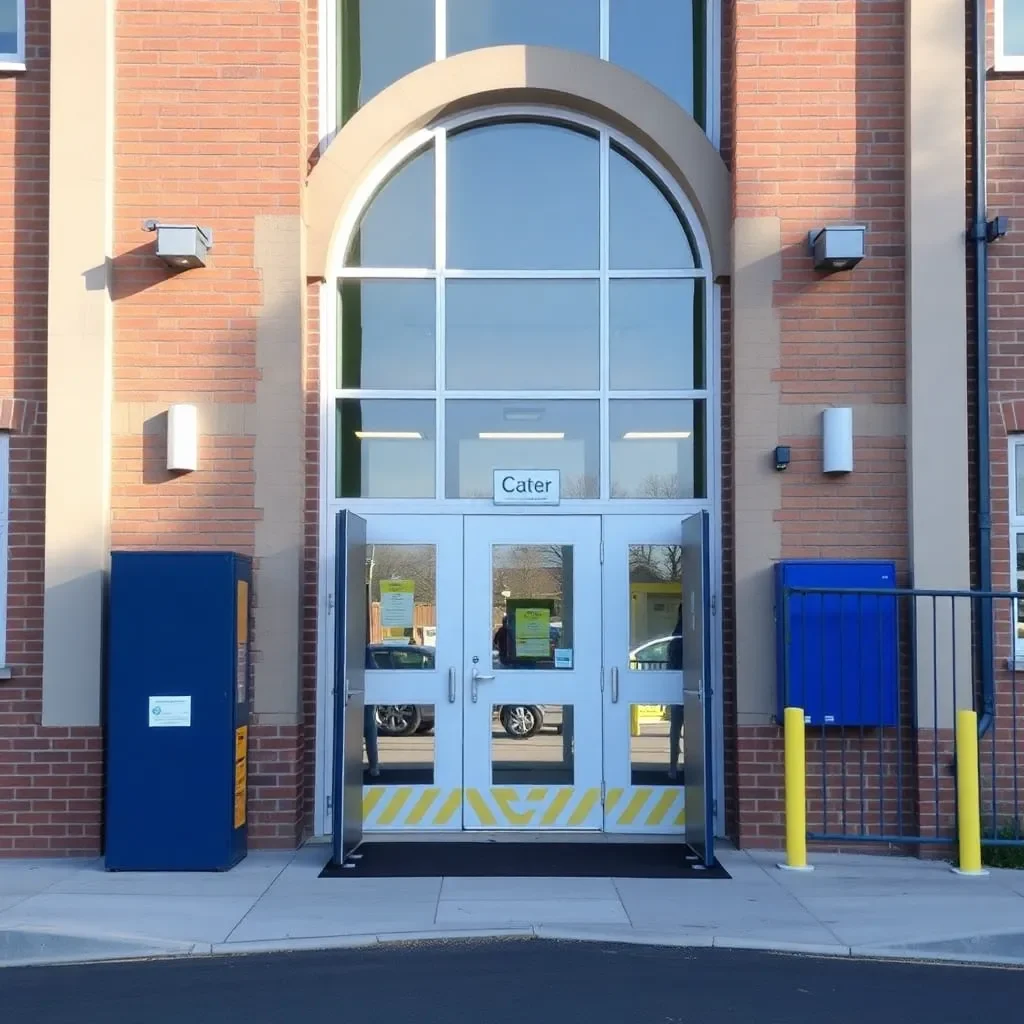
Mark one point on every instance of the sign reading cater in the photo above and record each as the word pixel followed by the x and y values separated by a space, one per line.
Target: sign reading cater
pixel 527 487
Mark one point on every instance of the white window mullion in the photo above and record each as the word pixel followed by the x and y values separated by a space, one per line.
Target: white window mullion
pixel 440 29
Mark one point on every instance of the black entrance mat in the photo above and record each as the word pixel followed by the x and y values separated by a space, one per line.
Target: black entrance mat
pixel 463 859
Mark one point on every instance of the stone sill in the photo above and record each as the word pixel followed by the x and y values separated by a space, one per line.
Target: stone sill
pixel 11 66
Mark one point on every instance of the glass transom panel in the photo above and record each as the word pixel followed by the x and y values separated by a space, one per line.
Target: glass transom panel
pixel 662 41
pixel 522 294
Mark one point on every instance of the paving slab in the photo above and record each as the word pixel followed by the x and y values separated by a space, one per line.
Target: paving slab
pixel 915 919
pixel 30 877
pixel 252 877
pixel 626 934
pixel 355 890
pixel 303 917
pixel 511 912
pixel 24 946
pixel 171 918
pixel 529 889
pixel 1012 880
pixel 1007 947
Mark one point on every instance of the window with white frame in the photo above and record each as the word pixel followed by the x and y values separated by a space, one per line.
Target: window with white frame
pixel 12 34
pixel 1017 536
pixel 1009 42
pixel 663 41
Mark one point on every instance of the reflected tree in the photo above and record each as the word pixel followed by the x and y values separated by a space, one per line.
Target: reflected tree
pixel 414 562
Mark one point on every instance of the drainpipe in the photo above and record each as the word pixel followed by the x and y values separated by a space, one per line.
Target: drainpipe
pixel 981 233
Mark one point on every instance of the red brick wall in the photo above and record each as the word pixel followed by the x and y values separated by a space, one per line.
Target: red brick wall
pixel 818 138
pixel 210 130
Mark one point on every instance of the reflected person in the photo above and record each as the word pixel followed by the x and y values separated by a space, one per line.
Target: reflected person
pixel 675 728
pixel 370 729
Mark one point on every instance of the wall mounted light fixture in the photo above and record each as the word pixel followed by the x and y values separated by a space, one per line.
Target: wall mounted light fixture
pixel 182 439
pixel 181 246
pixel 837 246
pixel 782 457
pixel 837 441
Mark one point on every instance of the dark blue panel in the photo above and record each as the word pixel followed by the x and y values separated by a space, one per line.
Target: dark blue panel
pixel 173 631
pixel 842 648
pixel 340 658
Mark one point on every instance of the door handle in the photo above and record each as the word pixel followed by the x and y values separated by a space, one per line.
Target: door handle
pixel 478 677
pixel 451 685
pixel 615 684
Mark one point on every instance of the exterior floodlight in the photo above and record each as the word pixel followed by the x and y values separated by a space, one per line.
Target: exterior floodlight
pixel 837 246
pixel 181 246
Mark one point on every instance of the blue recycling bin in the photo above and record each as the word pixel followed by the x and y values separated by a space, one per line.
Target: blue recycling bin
pixel 177 718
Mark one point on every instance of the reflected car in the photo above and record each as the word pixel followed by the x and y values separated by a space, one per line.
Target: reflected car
pixel 651 656
pixel 520 721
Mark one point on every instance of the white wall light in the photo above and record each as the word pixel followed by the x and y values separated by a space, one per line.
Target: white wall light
pixel 837 441
pixel 182 439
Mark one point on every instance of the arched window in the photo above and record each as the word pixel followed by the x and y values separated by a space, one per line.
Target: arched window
pixel 522 292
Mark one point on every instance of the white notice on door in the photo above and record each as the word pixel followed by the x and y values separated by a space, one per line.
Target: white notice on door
pixel 397 603
pixel 170 711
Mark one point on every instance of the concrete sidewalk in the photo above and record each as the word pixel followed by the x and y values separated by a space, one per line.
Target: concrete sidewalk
pixel 56 911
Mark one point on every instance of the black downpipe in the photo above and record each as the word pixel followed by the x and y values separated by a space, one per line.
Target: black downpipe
pixel 979 233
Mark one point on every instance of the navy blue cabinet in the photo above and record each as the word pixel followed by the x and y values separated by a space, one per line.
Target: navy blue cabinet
pixel 841 650
pixel 177 711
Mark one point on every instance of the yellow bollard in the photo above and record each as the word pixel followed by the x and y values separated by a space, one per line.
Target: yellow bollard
pixel 634 720
pixel 968 789
pixel 796 792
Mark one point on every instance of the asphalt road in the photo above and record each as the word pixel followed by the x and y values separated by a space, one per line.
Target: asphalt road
pixel 501 982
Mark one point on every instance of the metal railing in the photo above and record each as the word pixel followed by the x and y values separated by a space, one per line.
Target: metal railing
pixel 880 675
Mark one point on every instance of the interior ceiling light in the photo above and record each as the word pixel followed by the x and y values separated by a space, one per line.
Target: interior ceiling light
pixel 389 435
pixel 655 435
pixel 524 435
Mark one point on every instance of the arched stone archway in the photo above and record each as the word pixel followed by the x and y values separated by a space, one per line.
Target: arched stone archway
pixel 520 74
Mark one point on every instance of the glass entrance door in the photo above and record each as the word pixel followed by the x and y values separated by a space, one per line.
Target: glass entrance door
pixel 517 663
pixel 643 702
pixel 532 673
pixel 412 728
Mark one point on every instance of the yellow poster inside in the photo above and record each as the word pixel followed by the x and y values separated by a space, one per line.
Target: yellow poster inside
pixel 241 771
pixel 533 633
pixel 397 606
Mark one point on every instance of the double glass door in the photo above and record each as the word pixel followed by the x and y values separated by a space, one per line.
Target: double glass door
pixel 525 673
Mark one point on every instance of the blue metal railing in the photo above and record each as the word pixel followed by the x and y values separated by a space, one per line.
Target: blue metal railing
pixel 879 673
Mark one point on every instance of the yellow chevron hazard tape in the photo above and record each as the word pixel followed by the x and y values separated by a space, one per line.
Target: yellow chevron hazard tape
pixel 655 809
